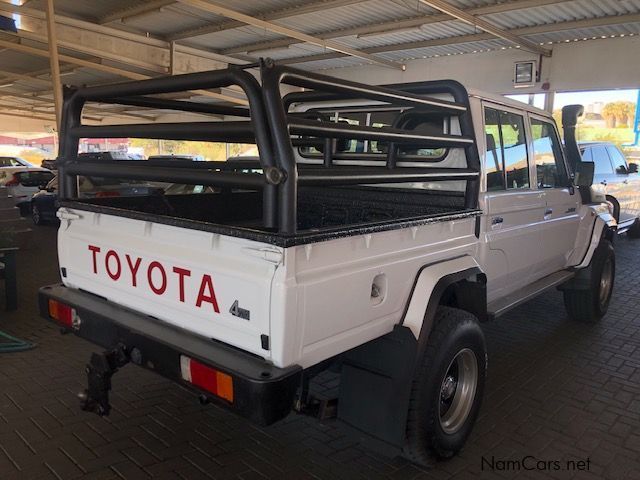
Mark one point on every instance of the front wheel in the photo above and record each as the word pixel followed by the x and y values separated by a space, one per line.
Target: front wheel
pixel 590 304
pixel 447 389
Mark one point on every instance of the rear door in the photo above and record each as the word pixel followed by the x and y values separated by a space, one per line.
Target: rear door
pixel 214 285
pixel 561 217
pixel 512 209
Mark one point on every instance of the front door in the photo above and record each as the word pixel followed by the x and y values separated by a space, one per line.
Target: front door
pixel 561 218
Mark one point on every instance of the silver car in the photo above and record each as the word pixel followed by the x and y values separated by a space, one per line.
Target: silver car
pixel 618 180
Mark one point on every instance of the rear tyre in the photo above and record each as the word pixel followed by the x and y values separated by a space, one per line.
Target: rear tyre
pixel 590 304
pixel 447 388
pixel 36 215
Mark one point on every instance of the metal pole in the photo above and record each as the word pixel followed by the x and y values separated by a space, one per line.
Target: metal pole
pixel 54 62
pixel 549 100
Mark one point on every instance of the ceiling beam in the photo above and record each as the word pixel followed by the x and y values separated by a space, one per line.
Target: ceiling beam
pixel 477 37
pixel 37 97
pixel 22 115
pixel 109 69
pixel 395 25
pixel 76 47
pixel 272 27
pixel 118 33
pixel 313 7
pixel 134 11
pixel 486 26
pixel 6 76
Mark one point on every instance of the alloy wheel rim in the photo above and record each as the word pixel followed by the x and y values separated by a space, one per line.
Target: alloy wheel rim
pixel 458 391
pixel 606 281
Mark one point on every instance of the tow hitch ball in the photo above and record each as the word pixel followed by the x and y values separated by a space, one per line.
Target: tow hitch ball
pixel 99 372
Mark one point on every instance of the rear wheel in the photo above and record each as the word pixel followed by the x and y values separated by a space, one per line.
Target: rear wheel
pixel 447 389
pixel 590 304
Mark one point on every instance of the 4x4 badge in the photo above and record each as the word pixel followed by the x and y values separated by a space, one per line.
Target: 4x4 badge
pixel 236 311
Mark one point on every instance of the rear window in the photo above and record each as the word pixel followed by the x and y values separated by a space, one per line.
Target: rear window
pixel 34 179
pixel 426 125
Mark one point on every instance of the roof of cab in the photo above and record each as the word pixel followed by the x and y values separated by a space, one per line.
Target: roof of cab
pixel 509 102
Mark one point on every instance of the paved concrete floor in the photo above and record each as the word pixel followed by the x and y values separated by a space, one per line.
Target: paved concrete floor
pixel 557 390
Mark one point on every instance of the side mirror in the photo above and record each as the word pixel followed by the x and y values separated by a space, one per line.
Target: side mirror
pixel 584 174
pixel 633 167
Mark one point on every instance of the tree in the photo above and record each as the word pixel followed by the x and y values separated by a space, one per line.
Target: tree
pixel 609 113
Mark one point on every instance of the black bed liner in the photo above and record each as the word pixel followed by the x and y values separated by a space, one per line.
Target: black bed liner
pixel 301 237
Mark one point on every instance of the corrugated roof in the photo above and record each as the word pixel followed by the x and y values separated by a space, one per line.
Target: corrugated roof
pixel 387 29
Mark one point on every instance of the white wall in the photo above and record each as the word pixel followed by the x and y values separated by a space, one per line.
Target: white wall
pixel 584 65
pixel 10 123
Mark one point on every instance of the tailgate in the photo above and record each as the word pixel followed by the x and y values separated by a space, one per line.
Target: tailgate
pixel 214 285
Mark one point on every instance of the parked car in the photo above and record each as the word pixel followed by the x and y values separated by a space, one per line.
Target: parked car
pixel 618 180
pixel 9 165
pixel 44 204
pixel 23 182
pixel 378 263
pixel 109 155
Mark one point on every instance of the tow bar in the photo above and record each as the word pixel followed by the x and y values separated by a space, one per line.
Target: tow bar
pixel 99 372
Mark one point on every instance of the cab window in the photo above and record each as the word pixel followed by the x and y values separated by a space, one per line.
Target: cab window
pixel 514 147
pixel 506 161
pixel 551 171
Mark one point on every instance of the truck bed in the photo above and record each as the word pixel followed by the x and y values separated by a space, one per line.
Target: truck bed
pixel 324 213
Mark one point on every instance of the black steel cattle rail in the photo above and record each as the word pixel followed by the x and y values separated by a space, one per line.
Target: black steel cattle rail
pixel 270 126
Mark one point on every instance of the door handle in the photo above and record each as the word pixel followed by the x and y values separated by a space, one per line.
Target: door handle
pixel 625 181
pixel 496 220
pixel 603 182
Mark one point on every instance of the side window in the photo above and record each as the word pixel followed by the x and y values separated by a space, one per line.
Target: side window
pixel 601 160
pixel 550 168
pixel 493 159
pixel 514 150
pixel 506 162
pixel 618 160
pixel 586 155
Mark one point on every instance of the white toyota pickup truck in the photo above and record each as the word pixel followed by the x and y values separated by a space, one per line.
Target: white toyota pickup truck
pixel 378 229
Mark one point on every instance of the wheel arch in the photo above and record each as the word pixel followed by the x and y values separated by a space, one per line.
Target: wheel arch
pixel 458 283
pixel 387 364
pixel 604 227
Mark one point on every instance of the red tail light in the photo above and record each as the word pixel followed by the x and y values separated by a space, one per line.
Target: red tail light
pixel 63 314
pixel 14 182
pixel 107 193
pixel 207 378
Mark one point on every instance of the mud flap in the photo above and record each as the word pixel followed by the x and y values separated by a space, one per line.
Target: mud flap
pixel 375 386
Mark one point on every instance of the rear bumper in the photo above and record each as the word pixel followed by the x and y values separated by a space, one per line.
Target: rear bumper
pixel 262 393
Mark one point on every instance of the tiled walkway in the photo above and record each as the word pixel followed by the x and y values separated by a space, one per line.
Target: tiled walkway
pixel 557 391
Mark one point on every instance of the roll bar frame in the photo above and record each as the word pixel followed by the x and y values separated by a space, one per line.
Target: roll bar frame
pixel 270 126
